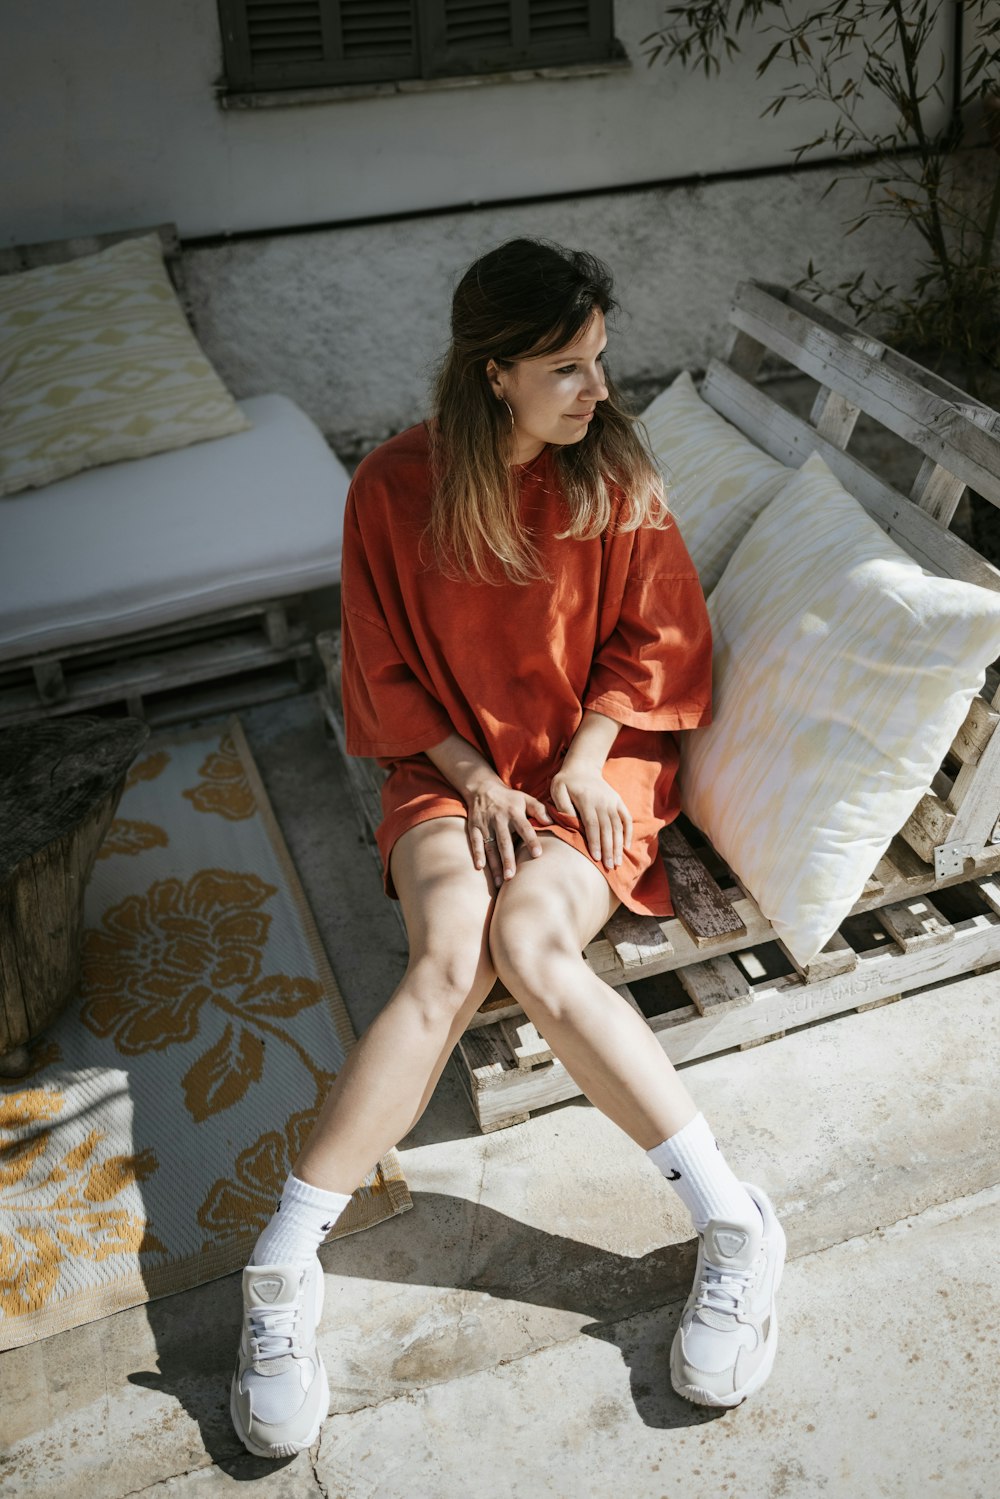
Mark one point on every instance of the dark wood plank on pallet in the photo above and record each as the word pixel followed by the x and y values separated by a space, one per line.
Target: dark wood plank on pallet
pixel 700 904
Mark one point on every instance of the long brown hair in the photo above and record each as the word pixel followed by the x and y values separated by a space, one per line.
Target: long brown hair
pixel 524 299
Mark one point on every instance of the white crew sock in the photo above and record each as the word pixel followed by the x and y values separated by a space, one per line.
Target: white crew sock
pixel 301 1222
pixel 696 1168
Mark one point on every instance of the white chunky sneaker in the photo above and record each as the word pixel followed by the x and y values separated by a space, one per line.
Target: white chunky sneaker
pixel 279 1395
pixel 724 1348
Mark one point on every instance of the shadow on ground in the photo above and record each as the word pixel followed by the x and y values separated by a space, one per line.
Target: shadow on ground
pixel 196 1333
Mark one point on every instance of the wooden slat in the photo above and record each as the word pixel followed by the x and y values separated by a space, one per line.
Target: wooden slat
pixel 276 626
pixel 989 889
pixel 527 1047
pixel 937 491
pixel 915 924
pixel 900 868
pixel 791 440
pixel 918 415
pixel 50 680
pixel 745 354
pixel 838 956
pixel 976 814
pixel 706 912
pixel 928 826
pixel 833 416
pixel 715 984
pixel 976 732
pixel 637 940
pixel 846 324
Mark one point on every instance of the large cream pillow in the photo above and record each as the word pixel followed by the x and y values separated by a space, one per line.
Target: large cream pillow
pixel 843 671
pixel 99 363
pixel 717 480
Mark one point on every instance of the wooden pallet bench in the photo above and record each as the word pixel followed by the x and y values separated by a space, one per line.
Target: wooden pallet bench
pixel 209 663
pixel 714 976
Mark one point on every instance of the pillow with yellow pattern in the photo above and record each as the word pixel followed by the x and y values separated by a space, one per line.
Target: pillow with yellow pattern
pixel 98 363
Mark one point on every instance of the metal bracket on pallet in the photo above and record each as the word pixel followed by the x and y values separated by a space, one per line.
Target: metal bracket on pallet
pixel 949 858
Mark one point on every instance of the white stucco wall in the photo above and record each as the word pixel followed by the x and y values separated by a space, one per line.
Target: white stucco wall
pixel 108 118
pixel 351 321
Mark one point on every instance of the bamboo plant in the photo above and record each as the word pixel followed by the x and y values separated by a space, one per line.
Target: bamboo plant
pixel 845 52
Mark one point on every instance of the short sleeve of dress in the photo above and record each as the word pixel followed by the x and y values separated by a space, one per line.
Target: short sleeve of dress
pixel 388 711
pixel 653 670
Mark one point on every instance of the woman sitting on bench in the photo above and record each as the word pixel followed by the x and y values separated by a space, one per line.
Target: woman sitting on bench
pixel 523 633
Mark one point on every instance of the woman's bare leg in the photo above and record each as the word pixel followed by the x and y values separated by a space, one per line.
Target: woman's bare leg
pixel 389 1076
pixel 543 919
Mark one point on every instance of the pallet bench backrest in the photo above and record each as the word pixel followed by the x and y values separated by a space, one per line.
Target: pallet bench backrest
pixel 958 440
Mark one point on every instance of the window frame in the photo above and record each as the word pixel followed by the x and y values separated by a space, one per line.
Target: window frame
pixel 430 60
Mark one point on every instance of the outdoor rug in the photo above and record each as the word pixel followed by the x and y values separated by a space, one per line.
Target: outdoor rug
pixel 145 1150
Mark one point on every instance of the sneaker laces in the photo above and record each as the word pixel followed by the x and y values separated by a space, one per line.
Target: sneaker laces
pixel 273 1329
pixel 724 1291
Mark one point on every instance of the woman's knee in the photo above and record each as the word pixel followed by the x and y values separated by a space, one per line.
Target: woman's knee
pixel 442 985
pixel 538 967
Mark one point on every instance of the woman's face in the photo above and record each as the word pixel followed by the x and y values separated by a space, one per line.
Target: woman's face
pixel 554 396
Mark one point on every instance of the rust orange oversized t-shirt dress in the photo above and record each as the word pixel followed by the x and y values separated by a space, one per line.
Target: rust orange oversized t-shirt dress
pixel 619 626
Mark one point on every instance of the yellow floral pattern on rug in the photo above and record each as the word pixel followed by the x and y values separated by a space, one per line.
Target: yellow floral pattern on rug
pixel 62 1206
pixel 242 1204
pixel 160 957
pixel 127 835
pixel 225 789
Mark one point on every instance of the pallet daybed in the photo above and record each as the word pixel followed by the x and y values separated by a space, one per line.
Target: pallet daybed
pixel 164 585
pixel 715 976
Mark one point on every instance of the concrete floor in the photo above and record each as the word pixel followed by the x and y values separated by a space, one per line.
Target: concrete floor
pixel 509 1336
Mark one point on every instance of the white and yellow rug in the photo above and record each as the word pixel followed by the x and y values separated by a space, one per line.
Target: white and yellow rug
pixel 145 1150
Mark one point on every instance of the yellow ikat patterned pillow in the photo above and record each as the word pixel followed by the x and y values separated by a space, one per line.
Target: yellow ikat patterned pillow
pixel 843 671
pixel 717 480
pixel 98 363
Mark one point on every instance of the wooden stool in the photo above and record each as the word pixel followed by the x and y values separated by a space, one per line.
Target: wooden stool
pixel 60 783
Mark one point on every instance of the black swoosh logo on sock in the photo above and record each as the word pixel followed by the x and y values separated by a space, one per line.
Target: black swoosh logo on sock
pixel 673 1176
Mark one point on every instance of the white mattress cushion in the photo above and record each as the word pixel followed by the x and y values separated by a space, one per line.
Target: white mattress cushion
pixel 139 544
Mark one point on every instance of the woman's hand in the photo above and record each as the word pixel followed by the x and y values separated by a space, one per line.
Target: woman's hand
pixel 579 789
pixel 605 820
pixel 496 815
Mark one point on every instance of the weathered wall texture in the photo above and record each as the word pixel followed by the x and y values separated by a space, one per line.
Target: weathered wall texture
pixel 350 322
pixel 109 119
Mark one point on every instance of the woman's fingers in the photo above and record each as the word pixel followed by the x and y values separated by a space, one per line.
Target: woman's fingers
pixel 504 851
pixel 528 835
pixel 535 808
pixel 562 799
pixel 617 834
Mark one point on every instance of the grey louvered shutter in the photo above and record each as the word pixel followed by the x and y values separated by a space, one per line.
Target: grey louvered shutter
pixel 275 44
pixel 279 44
pixel 486 36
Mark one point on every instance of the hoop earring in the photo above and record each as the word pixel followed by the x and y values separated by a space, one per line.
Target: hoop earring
pixel 507 404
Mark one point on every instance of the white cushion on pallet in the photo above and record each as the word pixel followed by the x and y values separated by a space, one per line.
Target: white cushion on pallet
pixel 135 545
pixel 717 480
pixel 843 671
